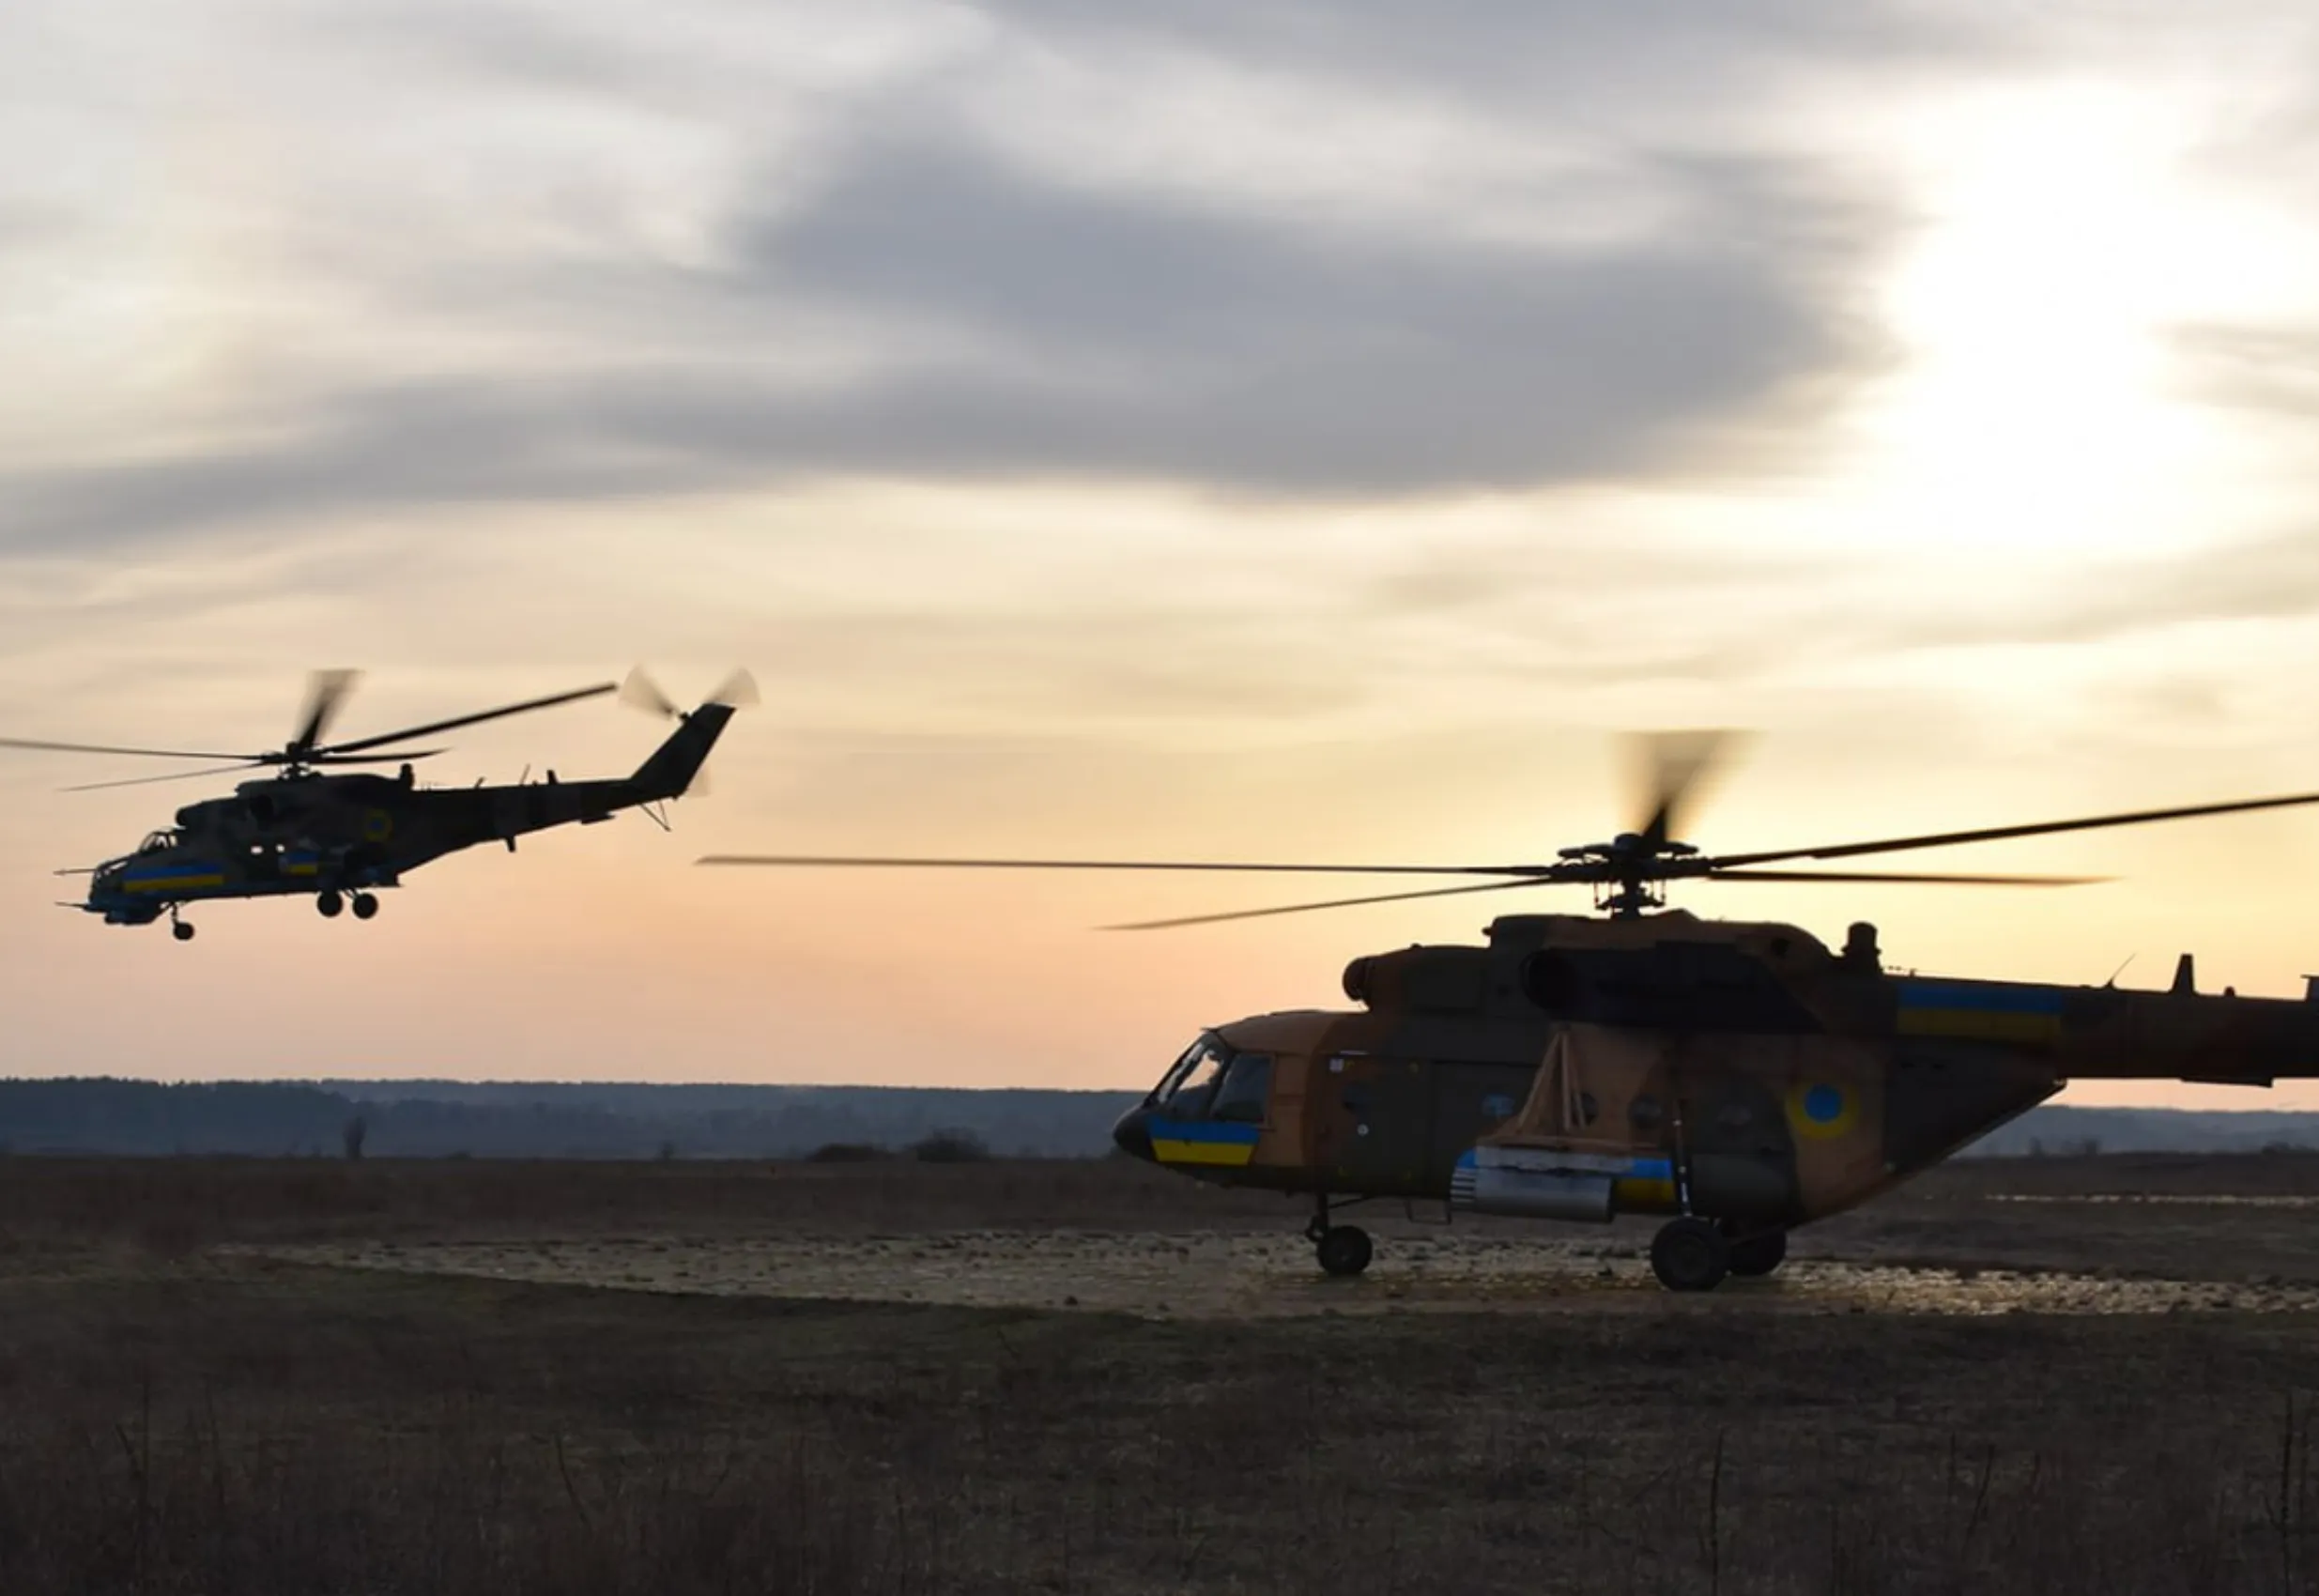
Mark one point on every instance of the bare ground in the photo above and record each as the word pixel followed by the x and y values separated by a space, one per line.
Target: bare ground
pixel 306 1377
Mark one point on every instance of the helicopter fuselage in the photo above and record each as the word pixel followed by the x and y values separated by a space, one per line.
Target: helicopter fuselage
pixel 323 835
pixel 1744 1074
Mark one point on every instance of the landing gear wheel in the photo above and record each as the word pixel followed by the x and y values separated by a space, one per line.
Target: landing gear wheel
pixel 330 903
pixel 1343 1249
pixel 1759 1254
pixel 180 930
pixel 364 906
pixel 1690 1254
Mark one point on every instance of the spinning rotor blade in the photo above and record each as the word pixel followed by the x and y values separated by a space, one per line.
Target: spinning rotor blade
pixel 738 691
pixel 386 757
pixel 102 748
pixel 360 745
pixel 1675 767
pixel 1546 871
pixel 1582 876
pixel 1332 903
pixel 1903 876
pixel 174 776
pixel 405 755
pixel 1997 833
pixel 640 691
pixel 326 694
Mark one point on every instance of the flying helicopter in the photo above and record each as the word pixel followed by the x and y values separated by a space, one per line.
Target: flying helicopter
pixel 305 828
pixel 1735 1079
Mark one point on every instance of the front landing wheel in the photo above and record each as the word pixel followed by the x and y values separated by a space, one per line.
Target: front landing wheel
pixel 182 931
pixel 1343 1249
pixel 1690 1254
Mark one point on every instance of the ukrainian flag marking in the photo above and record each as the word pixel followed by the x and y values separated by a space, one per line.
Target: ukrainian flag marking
pixel 1216 1143
pixel 1981 1011
pixel 174 878
pixel 1648 1183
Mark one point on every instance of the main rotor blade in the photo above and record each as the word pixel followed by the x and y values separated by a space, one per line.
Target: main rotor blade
pixel 174 776
pixel 326 694
pixel 1332 903
pixel 1674 768
pixel 102 748
pixel 1904 876
pixel 1547 871
pixel 1998 833
pixel 384 758
pixel 431 727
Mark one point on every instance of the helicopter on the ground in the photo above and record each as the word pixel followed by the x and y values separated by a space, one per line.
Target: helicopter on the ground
pixel 307 830
pixel 1740 1079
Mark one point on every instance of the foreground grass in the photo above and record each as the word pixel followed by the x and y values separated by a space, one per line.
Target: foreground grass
pixel 280 1430
pixel 173 1422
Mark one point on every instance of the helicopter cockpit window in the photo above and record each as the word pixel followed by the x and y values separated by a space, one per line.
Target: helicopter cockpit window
pixel 1246 1087
pixel 1184 1090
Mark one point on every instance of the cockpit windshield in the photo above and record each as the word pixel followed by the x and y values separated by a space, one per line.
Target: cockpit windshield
pixel 1212 1081
pixel 1191 1079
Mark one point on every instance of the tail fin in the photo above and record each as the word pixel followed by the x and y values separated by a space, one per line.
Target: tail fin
pixel 673 765
pixel 675 762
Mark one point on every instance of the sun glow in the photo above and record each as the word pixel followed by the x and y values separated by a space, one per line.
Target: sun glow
pixel 2061 246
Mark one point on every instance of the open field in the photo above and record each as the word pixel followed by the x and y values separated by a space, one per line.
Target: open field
pixel 889 1377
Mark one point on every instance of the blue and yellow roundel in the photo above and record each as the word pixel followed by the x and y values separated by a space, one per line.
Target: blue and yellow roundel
pixel 378 825
pixel 1823 1109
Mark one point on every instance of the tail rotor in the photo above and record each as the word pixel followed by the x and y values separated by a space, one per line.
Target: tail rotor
pixel 639 691
pixel 642 691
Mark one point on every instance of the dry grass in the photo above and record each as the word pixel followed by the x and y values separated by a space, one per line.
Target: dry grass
pixel 175 1205
pixel 181 1423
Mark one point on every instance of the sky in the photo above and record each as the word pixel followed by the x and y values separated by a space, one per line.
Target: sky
pixel 1206 429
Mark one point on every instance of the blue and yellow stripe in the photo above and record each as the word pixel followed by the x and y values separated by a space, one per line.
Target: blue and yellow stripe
pixel 188 877
pixel 1216 1145
pixel 1981 1011
pixel 1648 1183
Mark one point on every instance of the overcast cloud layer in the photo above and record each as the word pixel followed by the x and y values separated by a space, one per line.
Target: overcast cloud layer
pixel 513 253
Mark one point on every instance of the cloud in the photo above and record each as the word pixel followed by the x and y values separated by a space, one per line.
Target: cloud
pixel 1074 334
pixel 917 256
pixel 2271 371
pixel 1124 336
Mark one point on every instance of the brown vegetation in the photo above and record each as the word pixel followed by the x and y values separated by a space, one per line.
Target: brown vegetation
pixel 176 1420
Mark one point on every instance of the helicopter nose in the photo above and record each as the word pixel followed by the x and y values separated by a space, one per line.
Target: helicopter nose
pixel 1132 1134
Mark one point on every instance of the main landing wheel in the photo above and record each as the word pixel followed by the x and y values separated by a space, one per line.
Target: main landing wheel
pixel 364 906
pixel 1759 1254
pixel 330 903
pixel 1690 1254
pixel 1343 1249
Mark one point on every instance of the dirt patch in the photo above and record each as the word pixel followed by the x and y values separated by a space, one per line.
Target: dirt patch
pixel 1251 1275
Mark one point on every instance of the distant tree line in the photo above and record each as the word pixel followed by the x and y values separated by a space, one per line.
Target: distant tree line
pixel 109 1116
pixel 510 1120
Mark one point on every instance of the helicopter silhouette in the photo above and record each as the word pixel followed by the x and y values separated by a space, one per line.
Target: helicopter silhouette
pixel 310 829
pixel 1735 1079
